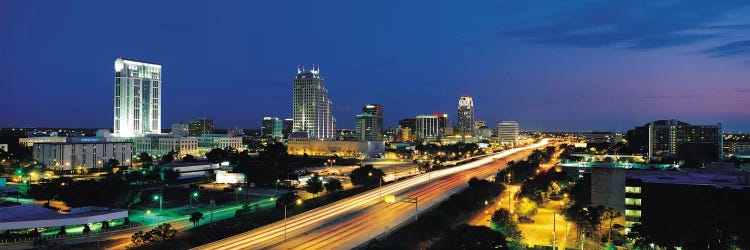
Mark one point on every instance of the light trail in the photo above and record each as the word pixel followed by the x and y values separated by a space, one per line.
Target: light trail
pixel 272 234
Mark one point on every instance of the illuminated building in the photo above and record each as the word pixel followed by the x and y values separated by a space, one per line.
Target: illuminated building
pixel 29 141
pixel 507 132
pixel 431 127
pixel 312 108
pixel 299 143
pixel 466 117
pixel 180 129
pixel 666 138
pixel 158 145
pixel 271 127
pixel 86 152
pixel 137 98
pixel 369 124
pixel 200 126
pixel 206 142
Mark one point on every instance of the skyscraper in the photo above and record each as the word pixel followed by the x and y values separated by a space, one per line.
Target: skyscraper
pixel 312 109
pixel 201 126
pixel 288 127
pixel 466 116
pixel 369 124
pixel 137 98
pixel 271 127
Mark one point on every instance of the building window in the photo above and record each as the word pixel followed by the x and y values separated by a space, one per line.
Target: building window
pixel 633 190
pixel 632 201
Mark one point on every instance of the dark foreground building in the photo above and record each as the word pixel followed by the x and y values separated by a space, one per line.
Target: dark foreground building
pixel 696 209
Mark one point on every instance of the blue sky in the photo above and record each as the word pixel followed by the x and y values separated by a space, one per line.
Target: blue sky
pixel 551 65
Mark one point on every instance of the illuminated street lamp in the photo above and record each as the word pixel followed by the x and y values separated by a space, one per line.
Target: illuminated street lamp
pixel 297 202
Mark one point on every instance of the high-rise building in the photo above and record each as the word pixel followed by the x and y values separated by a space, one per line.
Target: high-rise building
pixel 431 127
pixel 137 98
pixel 312 109
pixel 369 124
pixel 180 129
pixel 271 127
pixel 507 132
pixel 288 127
pixel 201 126
pixel 666 138
pixel 410 123
pixel 466 116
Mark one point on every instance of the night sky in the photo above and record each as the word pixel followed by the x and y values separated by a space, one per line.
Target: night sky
pixel 551 65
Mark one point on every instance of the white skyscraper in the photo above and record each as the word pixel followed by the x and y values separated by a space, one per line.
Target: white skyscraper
pixel 137 98
pixel 312 108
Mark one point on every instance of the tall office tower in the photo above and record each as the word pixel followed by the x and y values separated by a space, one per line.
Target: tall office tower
pixel 465 116
pixel 137 98
pixel 180 129
pixel 288 127
pixel 507 132
pixel 271 127
pixel 369 124
pixel 312 109
pixel 430 127
pixel 201 126
pixel 443 123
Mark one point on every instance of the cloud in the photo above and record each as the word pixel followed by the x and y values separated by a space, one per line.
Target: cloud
pixel 638 25
pixel 730 49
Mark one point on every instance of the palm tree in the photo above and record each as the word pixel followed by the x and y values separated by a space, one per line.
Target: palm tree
pixel 195 218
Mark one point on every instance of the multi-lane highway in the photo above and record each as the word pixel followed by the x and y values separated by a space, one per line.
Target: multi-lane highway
pixel 353 221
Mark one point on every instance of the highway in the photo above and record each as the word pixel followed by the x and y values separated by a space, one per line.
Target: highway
pixel 353 221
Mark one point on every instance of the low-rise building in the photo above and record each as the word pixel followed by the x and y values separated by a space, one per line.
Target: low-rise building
pixel 206 142
pixel 71 155
pixel 29 141
pixel 680 208
pixel 299 143
pixel 162 144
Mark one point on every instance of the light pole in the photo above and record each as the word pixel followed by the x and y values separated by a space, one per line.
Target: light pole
pixel 236 194
pixel 298 202
pixel 192 196
pixel 554 232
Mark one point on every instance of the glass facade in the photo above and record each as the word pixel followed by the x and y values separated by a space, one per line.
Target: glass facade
pixel 312 109
pixel 137 98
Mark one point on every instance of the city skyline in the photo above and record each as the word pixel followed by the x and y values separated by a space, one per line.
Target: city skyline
pixel 576 72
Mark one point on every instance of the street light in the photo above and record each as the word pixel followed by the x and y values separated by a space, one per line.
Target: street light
pixel 192 196
pixel 298 202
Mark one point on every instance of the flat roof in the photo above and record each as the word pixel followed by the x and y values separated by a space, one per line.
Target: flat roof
pixel 36 216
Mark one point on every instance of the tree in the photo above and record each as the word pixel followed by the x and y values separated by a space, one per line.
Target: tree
pixel 189 158
pixel 287 199
pixel 503 220
pixel 155 238
pixel 526 207
pixel 195 218
pixel 145 158
pixel 171 174
pixel 86 229
pixel 639 237
pixel 333 186
pixel 110 165
pixel 314 185
pixel 217 155
pixel 472 237
pixel 168 158
pixel 62 231
pixel 611 214
pixel 366 175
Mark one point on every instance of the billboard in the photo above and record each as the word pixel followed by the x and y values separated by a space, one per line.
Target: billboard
pixel 224 177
